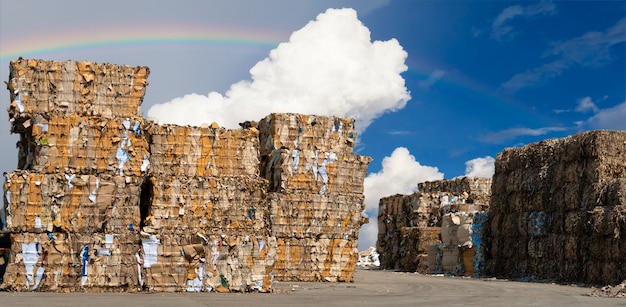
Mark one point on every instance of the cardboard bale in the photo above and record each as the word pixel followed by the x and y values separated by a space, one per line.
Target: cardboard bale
pixel 303 215
pixel 203 151
pixel 208 262
pixel 186 205
pixel 83 145
pixel 65 262
pixel 463 194
pixel 36 202
pixel 456 229
pixel 414 245
pixel 313 171
pixel 75 88
pixel 467 256
pixel 446 205
pixel 306 132
pixel 316 259
pixel 560 205
pixel 477 237
pixel 450 259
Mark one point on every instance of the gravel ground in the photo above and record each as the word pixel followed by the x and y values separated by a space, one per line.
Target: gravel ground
pixel 371 288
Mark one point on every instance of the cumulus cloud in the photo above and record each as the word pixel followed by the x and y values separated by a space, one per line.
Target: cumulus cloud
pixel 329 67
pixel 500 28
pixel 480 167
pixel 400 174
pixel 512 133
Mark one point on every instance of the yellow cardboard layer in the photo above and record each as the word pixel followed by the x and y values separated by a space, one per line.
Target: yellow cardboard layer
pixel 211 262
pixel 315 259
pixel 75 88
pixel 316 171
pixel 85 145
pixel 188 205
pixel 305 215
pixel 298 131
pixel 203 151
pixel 65 262
pixel 36 202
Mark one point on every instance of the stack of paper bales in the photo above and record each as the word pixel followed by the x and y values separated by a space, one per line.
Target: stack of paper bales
pixel 104 201
pixel 73 206
pixel 208 213
pixel 558 210
pixel 316 194
pixel 411 227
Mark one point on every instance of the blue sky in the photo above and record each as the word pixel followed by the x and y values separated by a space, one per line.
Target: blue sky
pixel 482 75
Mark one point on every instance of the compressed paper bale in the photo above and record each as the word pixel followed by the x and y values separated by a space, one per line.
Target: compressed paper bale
pixel 467 254
pixel 191 204
pixel 315 259
pixel 314 171
pixel 309 215
pixel 112 263
pixel 208 262
pixel 36 202
pixel 406 249
pixel 450 260
pixel 567 197
pixel 468 193
pixel 75 88
pixel 414 245
pixel 203 151
pixel 533 171
pixel 456 228
pixel 434 259
pixel 73 262
pixel 415 210
pixel 84 145
pixel 459 198
pixel 306 132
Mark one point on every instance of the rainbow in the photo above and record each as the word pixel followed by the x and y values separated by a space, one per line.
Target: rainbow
pixel 78 40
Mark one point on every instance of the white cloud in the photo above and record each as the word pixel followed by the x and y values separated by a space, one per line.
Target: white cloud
pixel 512 133
pixel 480 167
pixel 592 49
pixel 585 105
pixel 400 174
pixel 435 76
pixel 329 67
pixel 536 76
pixel 500 28
pixel 613 118
pixel 400 132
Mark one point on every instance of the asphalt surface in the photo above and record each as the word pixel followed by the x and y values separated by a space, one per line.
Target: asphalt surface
pixel 371 288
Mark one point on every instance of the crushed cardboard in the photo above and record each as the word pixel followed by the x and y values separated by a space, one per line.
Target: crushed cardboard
pixel 558 210
pixel 183 208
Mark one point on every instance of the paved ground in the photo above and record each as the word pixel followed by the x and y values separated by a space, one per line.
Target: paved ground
pixel 371 288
